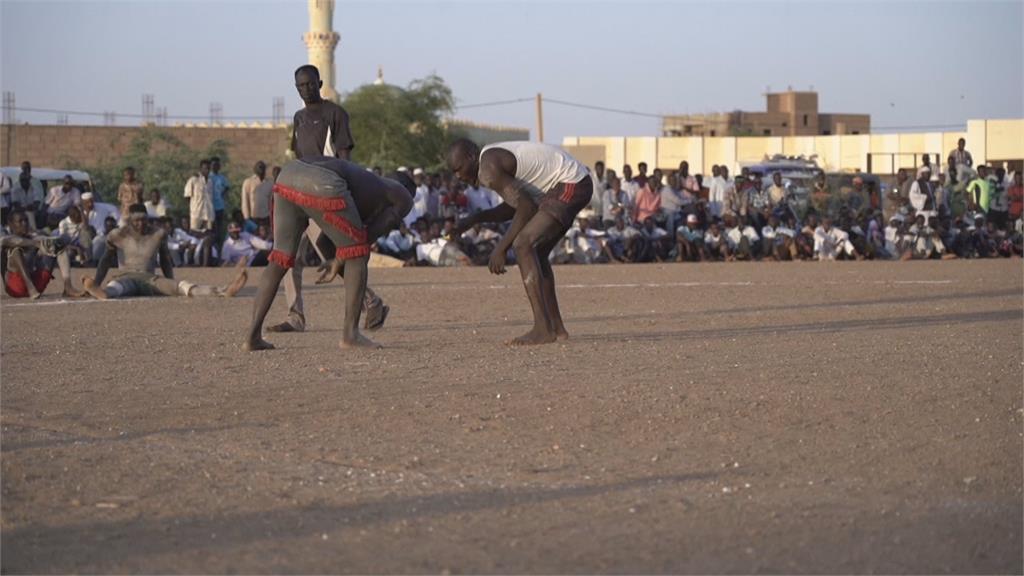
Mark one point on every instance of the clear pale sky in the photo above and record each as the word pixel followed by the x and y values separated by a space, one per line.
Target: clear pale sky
pixel 908 64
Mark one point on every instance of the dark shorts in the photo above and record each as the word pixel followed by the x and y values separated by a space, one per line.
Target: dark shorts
pixel 144 284
pixel 303 192
pixel 566 200
pixel 15 282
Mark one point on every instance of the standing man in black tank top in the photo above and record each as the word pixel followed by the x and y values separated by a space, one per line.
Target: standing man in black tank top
pixel 543 188
pixel 320 129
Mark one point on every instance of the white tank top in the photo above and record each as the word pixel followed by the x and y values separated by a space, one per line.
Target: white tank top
pixel 542 166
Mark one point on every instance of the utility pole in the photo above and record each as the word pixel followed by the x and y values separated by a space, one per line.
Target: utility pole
pixel 540 118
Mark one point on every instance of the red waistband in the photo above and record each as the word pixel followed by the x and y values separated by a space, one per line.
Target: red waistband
pixel 308 200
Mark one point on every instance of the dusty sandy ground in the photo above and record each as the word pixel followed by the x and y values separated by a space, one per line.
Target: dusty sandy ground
pixel 825 418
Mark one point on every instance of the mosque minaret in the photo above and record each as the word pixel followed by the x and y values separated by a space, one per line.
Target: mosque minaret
pixel 321 41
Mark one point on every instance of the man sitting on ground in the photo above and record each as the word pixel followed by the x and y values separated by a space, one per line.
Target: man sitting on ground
pixel 28 260
pixel 141 244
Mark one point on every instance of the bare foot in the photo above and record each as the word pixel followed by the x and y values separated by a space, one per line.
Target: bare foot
pixel 35 295
pixel 359 341
pixel 532 338
pixel 93 289
pixel 238 284
pixel 256 345
pixel 561 334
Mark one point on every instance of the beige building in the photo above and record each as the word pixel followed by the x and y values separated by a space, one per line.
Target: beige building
pixel 995 142
pixel 788 113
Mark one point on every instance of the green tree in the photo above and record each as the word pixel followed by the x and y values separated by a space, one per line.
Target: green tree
pixel 164 162
pixel 394 126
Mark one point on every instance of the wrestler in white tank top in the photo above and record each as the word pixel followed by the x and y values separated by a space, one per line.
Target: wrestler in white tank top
pixel 542 166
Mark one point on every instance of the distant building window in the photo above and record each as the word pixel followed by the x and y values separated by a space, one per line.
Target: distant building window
pixel 826 132
pixel 856 132
pixel 767 132
pixel 785 124
pixel 712 132
pixel 805 119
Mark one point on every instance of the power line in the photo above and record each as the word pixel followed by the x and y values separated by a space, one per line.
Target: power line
pixel 9 110
pixel 495 103
pixel 603 108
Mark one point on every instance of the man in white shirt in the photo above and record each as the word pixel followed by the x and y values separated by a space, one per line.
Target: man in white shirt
pixel 256 193
pixel 28 193
pixel 75 232
pixel 199 191
pixel 400 243
pixel 922 195
pixel 672 202
pixel 629 185
pixel 716 243
pixel 156 207
pixel 420 202
pixel 61 198
pixel 778 240
pixel 600 185
pixel 96 213
pixel 6 186
pixel 741 238
pixel 480 198
pixel 719 189
pixel 240 246
pixel 829 242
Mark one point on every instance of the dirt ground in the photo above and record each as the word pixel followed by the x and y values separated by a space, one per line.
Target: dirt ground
pixel 813 418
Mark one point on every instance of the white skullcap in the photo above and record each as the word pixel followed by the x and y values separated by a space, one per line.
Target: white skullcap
pixel 87 196
pixel 417 172
pixel 403 169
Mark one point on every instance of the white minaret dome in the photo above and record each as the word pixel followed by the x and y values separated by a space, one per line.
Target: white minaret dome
pixel 380 76
pixel 321 41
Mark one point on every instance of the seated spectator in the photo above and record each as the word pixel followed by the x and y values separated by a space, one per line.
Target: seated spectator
pixel 672 202
pixel 648 201
pixel 1015 199
pixel 156 207
pixel 400 243
pixel 96 213
pixel 76 234
pixel 830 242
pixel 478 242
pixel 777 240
pixel 895 241
pixel 28 260
pixel 621 241
pixel 615 203
pixel 454 203
pixel 690 241
pixel 244 246
pixel 60 199
pixel 759 202
pixel 805 237
pixel 99 240
pixel 587 244
pixel 656 242
pixel 183 245
pixel 716 244
pixel 743 240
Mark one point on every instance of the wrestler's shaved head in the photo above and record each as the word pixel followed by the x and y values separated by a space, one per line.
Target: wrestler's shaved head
pixel 464 160
pixel 406 182
pixel 308 69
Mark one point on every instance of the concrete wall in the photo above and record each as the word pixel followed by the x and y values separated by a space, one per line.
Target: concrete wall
pixel 57 146
pixel 995 141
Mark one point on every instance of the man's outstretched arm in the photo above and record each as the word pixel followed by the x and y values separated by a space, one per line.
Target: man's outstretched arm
pixel 166 263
